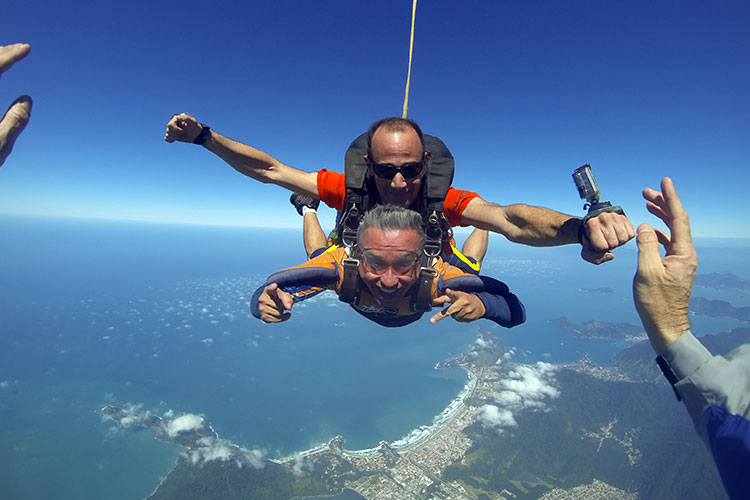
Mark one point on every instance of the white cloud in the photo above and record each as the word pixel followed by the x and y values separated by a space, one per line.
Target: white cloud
pixel 508 398
pixel 531 383
pixel 128 416
pixel 525 387
pixel 204 449
pixel 183 423
pixel 302 466
pixel 4 384
pixel 480 342
pixel 492 416
pixel 210 448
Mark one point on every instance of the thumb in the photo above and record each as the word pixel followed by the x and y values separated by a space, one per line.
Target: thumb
pixel 286 299
pixel 441 300
pixel 648 248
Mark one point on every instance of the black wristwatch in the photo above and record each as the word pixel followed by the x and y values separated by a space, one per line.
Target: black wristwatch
pixel 204 135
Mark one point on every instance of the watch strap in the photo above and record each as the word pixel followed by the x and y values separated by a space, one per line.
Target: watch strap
pixel 204 135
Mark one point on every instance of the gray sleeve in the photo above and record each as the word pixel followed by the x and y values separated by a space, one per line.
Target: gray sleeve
pixel 703 380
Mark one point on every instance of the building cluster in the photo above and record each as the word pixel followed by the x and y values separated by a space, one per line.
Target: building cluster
pixel 597 490
pixel 415 473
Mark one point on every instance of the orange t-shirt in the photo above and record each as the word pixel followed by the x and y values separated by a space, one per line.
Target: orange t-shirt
pixel 332 192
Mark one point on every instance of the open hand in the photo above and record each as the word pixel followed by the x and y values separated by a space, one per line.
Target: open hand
pixel 662 286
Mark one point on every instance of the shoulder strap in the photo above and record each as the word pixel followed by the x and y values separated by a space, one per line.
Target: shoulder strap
pixel 359 193
pixel 349 292
pixel 435 186
pixel 439 171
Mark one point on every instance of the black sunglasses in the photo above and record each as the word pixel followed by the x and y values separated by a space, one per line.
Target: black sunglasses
pixel 389 171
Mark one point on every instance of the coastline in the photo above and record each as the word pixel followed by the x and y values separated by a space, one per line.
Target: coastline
pixel 403 465
pixel 412 439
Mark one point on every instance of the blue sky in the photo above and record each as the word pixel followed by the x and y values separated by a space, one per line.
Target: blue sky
pixel 522 92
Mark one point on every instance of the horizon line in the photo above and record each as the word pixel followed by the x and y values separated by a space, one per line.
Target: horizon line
pixel 241 225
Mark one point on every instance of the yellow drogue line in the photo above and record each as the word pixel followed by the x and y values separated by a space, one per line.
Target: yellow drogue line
pixel 411 49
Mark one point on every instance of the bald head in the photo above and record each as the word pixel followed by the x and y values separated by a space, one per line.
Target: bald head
pixel 393 126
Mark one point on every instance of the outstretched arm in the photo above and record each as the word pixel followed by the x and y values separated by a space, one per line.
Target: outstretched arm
pixel 245 159
pixel 539 226
pixel 17 115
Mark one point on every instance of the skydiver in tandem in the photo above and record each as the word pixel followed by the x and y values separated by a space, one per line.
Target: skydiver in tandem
pixel 403 168
pixel 436 175
pixel 389 278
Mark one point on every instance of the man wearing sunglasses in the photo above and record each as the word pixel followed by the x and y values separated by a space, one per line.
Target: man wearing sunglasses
pixel 397 148
pixel 399 185
pixel 389 242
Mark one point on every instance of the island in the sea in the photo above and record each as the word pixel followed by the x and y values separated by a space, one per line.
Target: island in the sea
pixel 601 330
pixel 723 281
pixel 718 308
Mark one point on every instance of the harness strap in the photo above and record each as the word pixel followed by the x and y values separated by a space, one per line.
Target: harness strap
pixel 422 300
pixel 350 286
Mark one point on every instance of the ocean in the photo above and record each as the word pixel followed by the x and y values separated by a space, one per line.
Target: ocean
pixel 99 312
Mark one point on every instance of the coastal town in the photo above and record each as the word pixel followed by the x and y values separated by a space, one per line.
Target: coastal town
pixel 414 470
pixel 408 469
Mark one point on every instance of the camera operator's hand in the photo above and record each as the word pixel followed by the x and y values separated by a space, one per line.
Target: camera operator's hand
pixel 182 128
pixel 605 232
pixel 661 287
pixel 17 115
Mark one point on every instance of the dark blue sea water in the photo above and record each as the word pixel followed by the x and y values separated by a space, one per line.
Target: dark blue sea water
pixel 100 312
